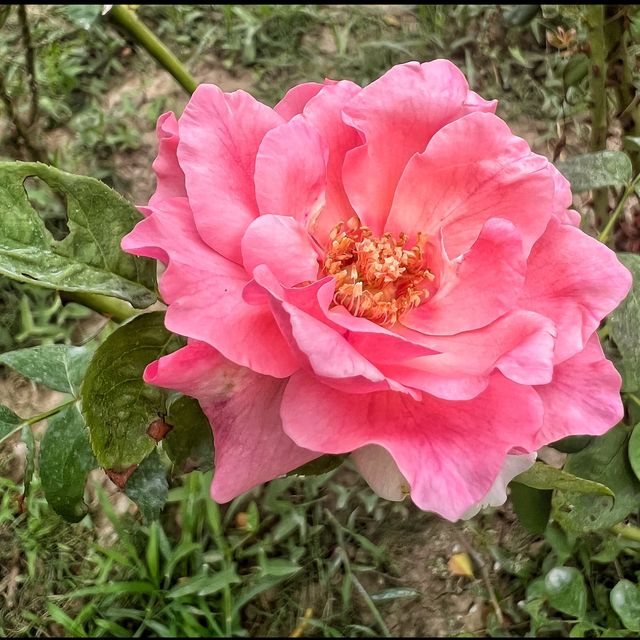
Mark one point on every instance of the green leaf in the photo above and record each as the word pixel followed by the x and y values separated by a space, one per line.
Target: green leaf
pixel 190 443
pixel 521 14
pixel 320 465
pixel 571 444
pixel 575 70
pixel 624 325
pixel 56 366
pixel 65 461
pixel 605 460
pixel 89 259
pixel 148 486
pixel 634 450
pixel 566 591
pixel 543 476
pixel 117 404
pixel 205 585
pixel 9 423
pixel 625 600
pixel 395 593
pixel 82 15
pixel 532 506
pixel 596 170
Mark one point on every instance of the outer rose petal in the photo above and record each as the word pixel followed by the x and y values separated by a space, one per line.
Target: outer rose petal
pixel 296 98
pixel 244 409
pixel 169 234
pixel 574 280
pixel 205 301
pixel 283 245
pixel 398 114
pixel 290 173
pixel 562 199
pixel 379 469
pixel 583 398
pixel 477 287
pixel 220 134
pixel 473 169
pixel 450 452
pixel 169 175
pixel 497 495
pixel 473 102
pixel 381 472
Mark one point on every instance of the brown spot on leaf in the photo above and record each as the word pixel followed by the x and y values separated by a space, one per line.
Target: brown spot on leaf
pixel 119 478
pixel 158 429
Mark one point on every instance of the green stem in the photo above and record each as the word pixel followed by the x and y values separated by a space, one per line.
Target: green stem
pixel 604 234
pixel 597 76
pixel 37 418
pixel 117 310
pixel 634 397
pixel 144 36
pixel 30 57
pixel 627 531
pixel 47 414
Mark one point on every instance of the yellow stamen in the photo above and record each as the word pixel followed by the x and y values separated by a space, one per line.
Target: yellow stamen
pixel 376 278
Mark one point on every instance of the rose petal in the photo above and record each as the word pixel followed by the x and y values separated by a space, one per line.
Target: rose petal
pixel 244 409
pixel 583 398
pixel 283 245
pixel 290 172
pixel 376 465
pixel 477 287
pixel 450 452
pixel 169 175
pixel 220 134
pixel 473 169
pixel 398 114
pixel 574 280
pixel 513 466
pixel 296 98
pixel 324 113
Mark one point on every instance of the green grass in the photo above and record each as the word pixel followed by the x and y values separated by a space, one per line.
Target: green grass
pixel 202 570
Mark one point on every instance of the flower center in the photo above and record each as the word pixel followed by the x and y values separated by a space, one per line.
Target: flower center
pixel 376 278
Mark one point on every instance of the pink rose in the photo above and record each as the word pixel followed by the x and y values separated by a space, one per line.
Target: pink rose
pixel 385 270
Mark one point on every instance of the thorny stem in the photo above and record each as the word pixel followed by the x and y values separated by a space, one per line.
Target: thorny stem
pixel 604 234
pixel 597 77
pixel 144 36
pixel 30 57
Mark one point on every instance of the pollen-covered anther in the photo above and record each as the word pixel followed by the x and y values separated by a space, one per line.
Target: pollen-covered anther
pixel 376 278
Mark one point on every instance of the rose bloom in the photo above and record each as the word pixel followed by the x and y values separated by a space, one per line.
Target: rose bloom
pixel 384 271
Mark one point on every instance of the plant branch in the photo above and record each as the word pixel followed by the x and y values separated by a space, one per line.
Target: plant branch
pixel 145 37
pixel 30 57
pixel 597 77
pixel 33 148
pixel 604 234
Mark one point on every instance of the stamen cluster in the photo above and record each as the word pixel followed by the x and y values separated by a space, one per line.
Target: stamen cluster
pixel 376 278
